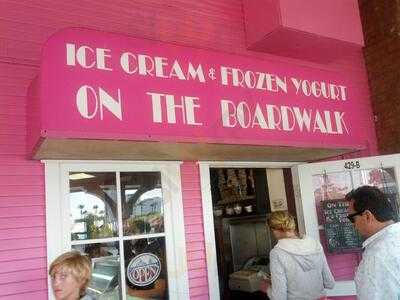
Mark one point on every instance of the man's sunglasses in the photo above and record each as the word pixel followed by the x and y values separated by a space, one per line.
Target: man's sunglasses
pixel 351 216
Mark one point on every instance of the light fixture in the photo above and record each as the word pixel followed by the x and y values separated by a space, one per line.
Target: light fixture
pixel 78 176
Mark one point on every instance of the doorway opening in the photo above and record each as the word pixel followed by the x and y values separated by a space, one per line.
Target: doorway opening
pixel 242 199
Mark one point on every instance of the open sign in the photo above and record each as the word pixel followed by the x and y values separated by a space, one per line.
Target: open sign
pixel 144 269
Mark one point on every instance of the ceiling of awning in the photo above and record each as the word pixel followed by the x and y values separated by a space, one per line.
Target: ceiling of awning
pixel 132 150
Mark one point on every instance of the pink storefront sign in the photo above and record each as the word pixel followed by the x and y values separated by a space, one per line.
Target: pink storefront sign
pixel 98 85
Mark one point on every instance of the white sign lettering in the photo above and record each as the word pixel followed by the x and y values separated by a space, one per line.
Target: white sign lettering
pixel 171 109
pixel 100 99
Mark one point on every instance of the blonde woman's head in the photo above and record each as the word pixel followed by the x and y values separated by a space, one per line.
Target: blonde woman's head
pixel 70 274
pixel 282 221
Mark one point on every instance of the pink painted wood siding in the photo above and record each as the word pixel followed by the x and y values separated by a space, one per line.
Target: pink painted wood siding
pixel 194 232
pixel 22 205
pixel 24 27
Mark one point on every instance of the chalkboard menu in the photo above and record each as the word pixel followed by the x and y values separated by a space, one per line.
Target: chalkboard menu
pixel 339 231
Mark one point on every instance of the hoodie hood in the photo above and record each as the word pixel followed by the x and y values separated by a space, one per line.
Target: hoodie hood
pixel 304 246
pixel 305 251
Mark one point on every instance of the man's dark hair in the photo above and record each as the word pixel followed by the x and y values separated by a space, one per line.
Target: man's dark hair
pixel 373 199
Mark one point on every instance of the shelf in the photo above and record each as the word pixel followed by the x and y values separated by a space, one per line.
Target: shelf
pixel 246 198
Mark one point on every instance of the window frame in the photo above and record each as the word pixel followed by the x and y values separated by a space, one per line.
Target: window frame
pixel 58 220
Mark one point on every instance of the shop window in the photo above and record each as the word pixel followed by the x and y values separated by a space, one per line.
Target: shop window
pixel 123 221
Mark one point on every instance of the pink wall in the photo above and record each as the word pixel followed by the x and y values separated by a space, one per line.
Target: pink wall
pixel 22 210
pixel 24 28
pixel 195 245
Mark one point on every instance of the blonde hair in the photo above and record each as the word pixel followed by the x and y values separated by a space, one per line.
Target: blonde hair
pixel 77 264
pixel 282 220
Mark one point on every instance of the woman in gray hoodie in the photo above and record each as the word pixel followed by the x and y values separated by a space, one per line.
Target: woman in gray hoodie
pixel 298 265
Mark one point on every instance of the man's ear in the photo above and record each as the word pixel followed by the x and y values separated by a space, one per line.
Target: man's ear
pixel 370 216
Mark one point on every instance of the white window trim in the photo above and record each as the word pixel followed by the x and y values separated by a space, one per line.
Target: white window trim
pixel 208 218
pixel 58 238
